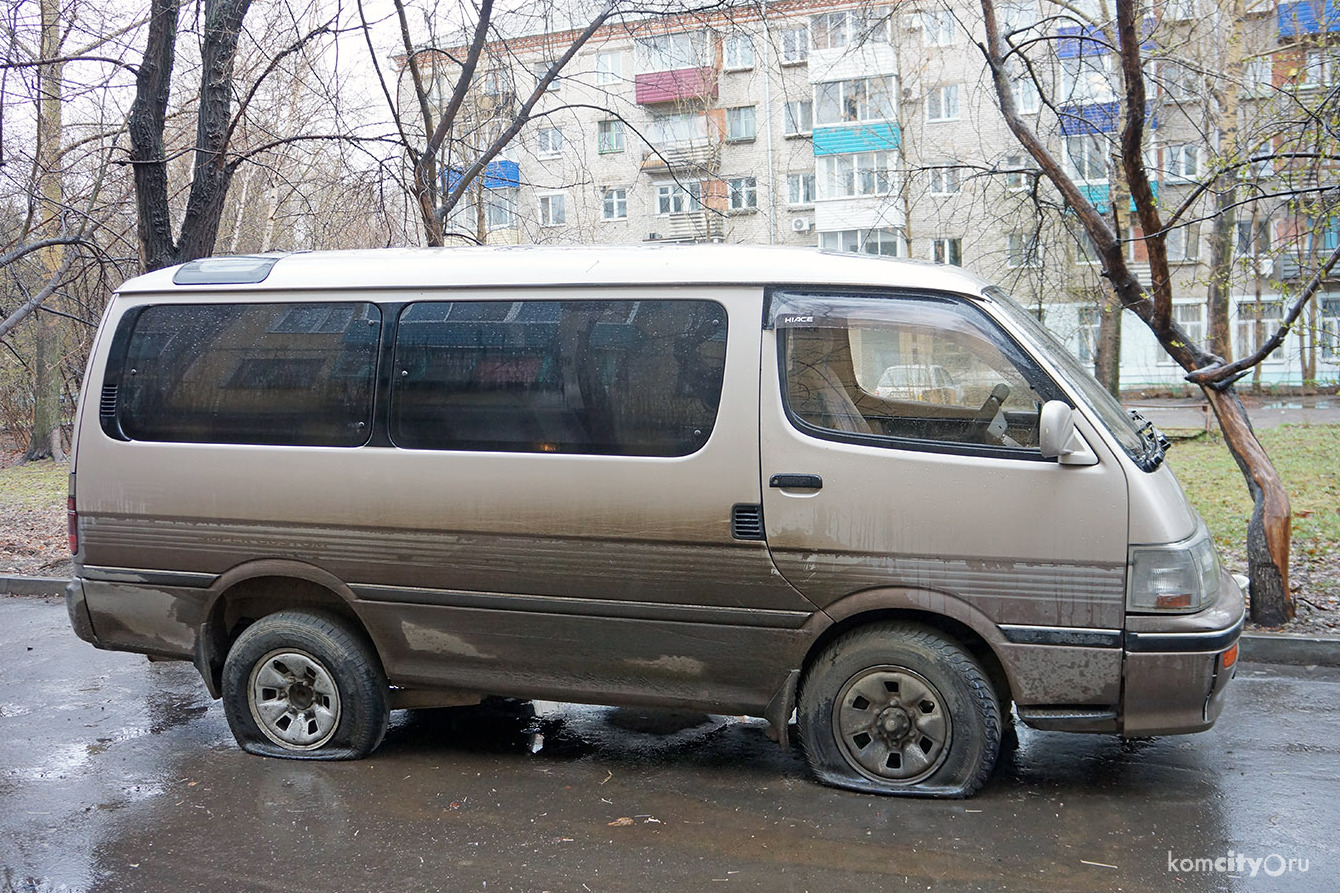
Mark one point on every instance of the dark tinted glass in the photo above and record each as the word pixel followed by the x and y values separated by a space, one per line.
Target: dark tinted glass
pixel 637 378
pixel 287 374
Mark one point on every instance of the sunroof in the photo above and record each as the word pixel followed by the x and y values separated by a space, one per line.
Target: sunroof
pixel 242 270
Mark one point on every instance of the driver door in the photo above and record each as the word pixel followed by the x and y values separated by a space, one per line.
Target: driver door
pixel 899 451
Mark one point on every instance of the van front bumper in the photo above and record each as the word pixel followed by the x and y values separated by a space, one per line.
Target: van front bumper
pixel 1177 668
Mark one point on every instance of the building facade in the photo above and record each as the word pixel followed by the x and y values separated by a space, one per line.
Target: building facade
pixel 875 128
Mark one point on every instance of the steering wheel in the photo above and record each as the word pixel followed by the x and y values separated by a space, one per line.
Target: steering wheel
pixel 980 430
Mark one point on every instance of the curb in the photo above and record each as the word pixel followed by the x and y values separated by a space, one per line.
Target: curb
pixel 1282 648
pixel 33 585
pixel 1260 648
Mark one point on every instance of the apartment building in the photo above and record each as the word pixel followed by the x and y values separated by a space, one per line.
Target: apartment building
pixel 874 127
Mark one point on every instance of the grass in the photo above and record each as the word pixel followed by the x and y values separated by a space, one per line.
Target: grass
pixel 1307 458
pixel 36 485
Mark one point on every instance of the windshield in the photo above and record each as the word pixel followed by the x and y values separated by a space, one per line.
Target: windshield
pixel 1141 440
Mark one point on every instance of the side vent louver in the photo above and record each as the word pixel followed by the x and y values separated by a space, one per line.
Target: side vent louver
pixel 107 405
pixel 107 413
pixel 746 522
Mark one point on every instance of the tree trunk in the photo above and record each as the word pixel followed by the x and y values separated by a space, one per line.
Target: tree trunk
pixel 46 387
pixel 46 332
pixel 148 115
pixel 1217 337
pixel 1268 530
pixel 1107 359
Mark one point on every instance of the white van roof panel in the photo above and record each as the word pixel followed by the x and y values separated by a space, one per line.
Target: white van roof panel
pixel 395 268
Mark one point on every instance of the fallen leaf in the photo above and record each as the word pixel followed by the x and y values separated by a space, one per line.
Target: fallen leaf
pixel 621 822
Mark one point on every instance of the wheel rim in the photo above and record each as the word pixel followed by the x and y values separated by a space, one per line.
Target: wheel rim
pixel 294 699
pixel 891 724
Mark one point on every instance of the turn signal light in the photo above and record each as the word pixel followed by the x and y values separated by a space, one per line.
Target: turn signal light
pixel 1229 657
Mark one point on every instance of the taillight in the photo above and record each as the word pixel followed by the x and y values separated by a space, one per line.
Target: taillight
pixel 72 519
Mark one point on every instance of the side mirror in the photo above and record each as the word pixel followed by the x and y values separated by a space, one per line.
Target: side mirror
pixel 1056 423
pixel 1057 437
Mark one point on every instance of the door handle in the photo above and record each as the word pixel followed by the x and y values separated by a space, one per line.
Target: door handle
pixel 796 481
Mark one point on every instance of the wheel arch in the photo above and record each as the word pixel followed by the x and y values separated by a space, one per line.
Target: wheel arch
pixel 944 613
pixel 248 592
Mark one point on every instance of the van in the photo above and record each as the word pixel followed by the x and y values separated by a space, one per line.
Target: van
pixel 345 483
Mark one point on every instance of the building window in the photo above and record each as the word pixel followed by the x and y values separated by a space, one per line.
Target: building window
pixel 1016 173
pixel 864 99
pixel 609 68
pixel 675 130
pixel 1253 238
pixel 945 180
pixel 947 251
pixel 1016 17
pixel 1328 339
pixel 540 69
pixel 1085 251
pixel 1086 158
pixel 676 198
pixel 1321 68
pixel 795 44
pixel 829 31
pixel 743 193
pixel 1027 99
pixel 1257 322
pixel 553 209
pixel 864 173
pixel 1181 83
pixel 800 189
pixel 609 136
pixel 1087 77
pixel 550 141
pixel 1086 333
pixel 669 52
pixel 881 240
pixel 1191 317
pixel 1021 250
pixel 1257 76
pixel 938 27
pixel 614 204
pixel 1181 162
pixel 799 117
pixel 500 208
pixel 740 123
pixel 942 103
pixel 737 52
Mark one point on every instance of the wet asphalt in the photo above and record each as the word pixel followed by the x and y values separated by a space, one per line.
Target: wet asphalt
pixel 118 774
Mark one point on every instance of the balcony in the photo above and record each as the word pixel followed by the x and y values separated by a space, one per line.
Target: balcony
pixel 689 226
pixel 679 85
pixel 1308 17
pixel 698 158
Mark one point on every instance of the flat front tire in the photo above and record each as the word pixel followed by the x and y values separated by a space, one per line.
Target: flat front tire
pixel 305 685
pixel 898 708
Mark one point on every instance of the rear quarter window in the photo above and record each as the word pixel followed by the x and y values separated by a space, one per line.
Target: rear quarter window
pixel 297 374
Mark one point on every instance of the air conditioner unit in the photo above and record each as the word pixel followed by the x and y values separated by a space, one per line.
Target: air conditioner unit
pixel 802 224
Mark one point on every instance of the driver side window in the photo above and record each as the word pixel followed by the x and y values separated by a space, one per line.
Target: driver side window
pixel 931 371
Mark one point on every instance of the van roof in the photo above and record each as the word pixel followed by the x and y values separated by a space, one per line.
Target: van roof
pixel 393 268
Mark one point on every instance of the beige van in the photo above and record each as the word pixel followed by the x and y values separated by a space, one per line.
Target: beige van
pixel 346 483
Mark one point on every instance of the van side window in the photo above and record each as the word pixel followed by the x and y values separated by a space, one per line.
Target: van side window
pixel 634 378
pixel 296 374
pixel 929 373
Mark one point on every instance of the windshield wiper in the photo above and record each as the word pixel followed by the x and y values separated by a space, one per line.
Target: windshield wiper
pixel 1156 445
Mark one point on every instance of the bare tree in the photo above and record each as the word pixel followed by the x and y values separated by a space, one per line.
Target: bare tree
pixel 1269 528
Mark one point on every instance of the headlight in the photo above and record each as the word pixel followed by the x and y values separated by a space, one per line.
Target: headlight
pixel 1179 577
